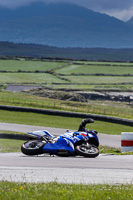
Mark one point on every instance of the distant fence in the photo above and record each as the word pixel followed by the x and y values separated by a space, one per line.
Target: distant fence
pixel 65 106
pixel 69 114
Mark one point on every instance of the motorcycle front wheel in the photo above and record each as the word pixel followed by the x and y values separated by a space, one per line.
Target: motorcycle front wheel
pixel 33 147
pixel 89 151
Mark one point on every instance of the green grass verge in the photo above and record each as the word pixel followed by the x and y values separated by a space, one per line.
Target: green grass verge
pixel 113 151
pixel 7 145
pixel 55 191
pixel 60 122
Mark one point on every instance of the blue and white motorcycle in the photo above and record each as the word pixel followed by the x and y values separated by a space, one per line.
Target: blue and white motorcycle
pixel 83 142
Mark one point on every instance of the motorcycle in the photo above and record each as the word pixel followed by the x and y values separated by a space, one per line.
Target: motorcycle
pixel 83 142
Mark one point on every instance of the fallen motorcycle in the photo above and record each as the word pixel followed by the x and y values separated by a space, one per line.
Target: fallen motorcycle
pixel 83 142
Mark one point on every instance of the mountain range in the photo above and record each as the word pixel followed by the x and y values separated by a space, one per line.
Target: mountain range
pixel 64 25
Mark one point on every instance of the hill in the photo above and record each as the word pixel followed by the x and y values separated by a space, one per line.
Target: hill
pixel 63 25
pixel 34 50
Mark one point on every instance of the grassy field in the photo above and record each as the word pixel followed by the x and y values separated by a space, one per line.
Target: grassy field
pixel 28 65
pixel 55 191
pixel 99 68
pixel 106 63
pixel 93 87
pixel 60 122
pixel 60 75
pixel 118 109
pixel 99 79
pixel 36 78
pixel 108 108
pixel 77 74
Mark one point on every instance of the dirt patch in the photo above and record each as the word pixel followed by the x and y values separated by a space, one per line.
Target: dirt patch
pixel 61 95
pixel 110 96
pixel 73 95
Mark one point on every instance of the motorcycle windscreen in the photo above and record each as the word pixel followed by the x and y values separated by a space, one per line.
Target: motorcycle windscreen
pixel 39 134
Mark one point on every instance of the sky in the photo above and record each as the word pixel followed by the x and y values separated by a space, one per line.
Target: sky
pixel 121 9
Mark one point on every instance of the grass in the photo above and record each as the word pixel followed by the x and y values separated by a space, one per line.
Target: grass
pixel 36 78
pixel 119 109
pixel 27 65
pixel 100 63
pixel 99 79
pixel 60 122
pixel 68 68
pixel 55 191
pixel 91 87
pixel 98 68
pixel 8 145
pixel 113 151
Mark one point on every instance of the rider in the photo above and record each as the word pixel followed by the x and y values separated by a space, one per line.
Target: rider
pixel 81 128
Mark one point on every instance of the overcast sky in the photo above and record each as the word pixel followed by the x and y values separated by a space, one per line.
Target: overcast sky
pixel 121 9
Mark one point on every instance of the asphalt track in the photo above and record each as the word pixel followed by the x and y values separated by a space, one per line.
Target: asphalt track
pixel 105 169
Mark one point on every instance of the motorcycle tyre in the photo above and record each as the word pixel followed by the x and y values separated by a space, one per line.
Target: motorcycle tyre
pixel 81 152
pixel 32 151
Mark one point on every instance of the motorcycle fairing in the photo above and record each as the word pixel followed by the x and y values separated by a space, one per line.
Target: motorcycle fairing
pixel 62 144
pixel 76 136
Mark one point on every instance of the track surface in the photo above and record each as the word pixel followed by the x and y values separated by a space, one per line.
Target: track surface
pixel 107 169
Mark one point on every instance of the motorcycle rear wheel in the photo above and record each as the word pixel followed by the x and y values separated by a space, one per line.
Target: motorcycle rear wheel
pixel 33 147
pixel 89 151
